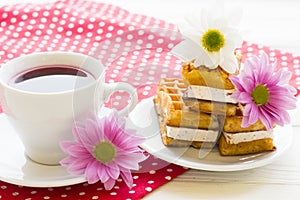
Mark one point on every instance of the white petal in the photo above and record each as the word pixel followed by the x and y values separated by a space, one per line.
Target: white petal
pixel 230 65
pixel 205 20
pixel 194 36
pixel 214 60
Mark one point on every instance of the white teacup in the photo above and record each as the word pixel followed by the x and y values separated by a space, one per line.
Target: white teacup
pixel 42 111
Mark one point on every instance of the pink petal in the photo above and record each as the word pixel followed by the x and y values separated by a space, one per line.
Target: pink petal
pixel 285 76
pixel 76 150
pixel 92 131
pixel 113 170
pixel 128 142
pixel 109 184
pixel 102 174
pixel 67 161
pixel 264 63
pixel 78 166
pixel 265 119
pixel 245 122
pixel 253 114
pixel 249 84
pixel 91 174
pixel 127 178
pixel 245 98
pixel 288 103
pixel 66 145
pixel 273 112
pixel 129 161
pixel 285 117
pixel 236 82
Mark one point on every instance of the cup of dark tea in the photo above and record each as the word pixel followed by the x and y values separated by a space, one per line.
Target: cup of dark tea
pixel 43 93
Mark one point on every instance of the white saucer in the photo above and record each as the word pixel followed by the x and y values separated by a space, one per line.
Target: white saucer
pixel 144 119
pixel 17 168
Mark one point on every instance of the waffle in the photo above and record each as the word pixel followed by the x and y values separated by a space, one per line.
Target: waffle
pixel 255 146
pixel 201 75
pixel 173 109
pixel 176 118
pixel 212 107
pixel 236 140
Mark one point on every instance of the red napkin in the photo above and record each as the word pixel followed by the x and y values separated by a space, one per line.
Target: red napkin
pixel 135 49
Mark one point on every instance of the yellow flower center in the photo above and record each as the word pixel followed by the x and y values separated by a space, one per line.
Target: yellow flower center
pixel 104 151
pixel 213 40
pixel 260 95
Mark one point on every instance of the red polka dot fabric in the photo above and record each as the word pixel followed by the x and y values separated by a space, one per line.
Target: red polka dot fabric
pixel 134 48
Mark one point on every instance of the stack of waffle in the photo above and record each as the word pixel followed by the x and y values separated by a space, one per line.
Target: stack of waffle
pixel 179 124
pixel 209 92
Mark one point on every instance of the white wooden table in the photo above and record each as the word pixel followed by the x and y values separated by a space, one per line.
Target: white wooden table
pixel 272 23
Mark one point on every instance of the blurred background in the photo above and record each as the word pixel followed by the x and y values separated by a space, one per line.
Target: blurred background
pixel 273 23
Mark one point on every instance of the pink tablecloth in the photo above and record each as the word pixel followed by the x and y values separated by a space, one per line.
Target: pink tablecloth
pixel 132 52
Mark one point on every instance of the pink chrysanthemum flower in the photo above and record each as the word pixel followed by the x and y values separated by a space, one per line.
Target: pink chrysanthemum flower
pixel 265 93
pixel 103 150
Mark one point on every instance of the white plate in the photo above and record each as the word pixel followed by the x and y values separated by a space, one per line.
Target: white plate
pixel 144 119
pixel 17 168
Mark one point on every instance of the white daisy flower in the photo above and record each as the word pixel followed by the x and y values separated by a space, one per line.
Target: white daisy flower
pixel 217 36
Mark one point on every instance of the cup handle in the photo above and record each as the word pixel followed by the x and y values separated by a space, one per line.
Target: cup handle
pixel 121 86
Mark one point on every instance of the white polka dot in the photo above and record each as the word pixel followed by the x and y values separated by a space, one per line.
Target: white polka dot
pixel 129 37
pixel 152 172
pixel 99 31
pixel 110 28
pixel 140 41
pixel 108 35
pixel 141 32
pixel 135 177
pixel 121 24
pixel 160 41
pixel 170 45
pixel 113 193
pixel 81 22
pixel 169 170
pixel 82 193
pixel 102 24
pixel 80 30
pixel 148 189
pixel 150 37
pixel 131 28
pixel 127 43
pixel 168 178
pixel 15 193
pixel 4 15
pixel 120 32
pixel 44 20
pixel 56 12
pixel 13 20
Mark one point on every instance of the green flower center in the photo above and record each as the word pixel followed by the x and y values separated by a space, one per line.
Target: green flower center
pixel 260 95
pixel 213 40
pixel 105 151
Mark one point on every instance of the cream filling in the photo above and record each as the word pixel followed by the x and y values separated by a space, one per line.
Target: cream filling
pixel 235 138
pixel 190 134
pixel 209 93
